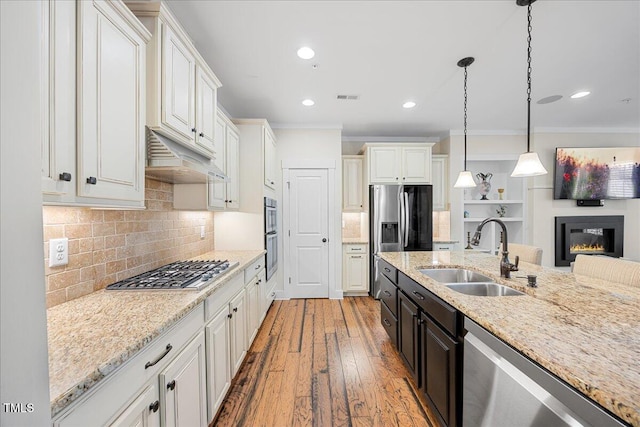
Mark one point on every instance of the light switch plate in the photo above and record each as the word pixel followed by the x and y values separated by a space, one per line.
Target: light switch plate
pixel 58 252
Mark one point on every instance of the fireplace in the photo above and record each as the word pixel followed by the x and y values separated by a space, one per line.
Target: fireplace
pixel 591 235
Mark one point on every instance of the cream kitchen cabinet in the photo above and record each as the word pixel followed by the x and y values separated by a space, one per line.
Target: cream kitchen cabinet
pixel 94 101
pixel 218 360
pixel 352 186
pixel 399 163
pixel 355 268
pixel 216 195
pixel 255 290
pixel 140 412
pixel 440 182
pixel 183 393
pixel 182 96
pixel 269 150
pixel 238 330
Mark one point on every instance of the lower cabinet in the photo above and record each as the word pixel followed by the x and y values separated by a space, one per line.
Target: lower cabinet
pixel 140 412
pixel 440 376
pixel 408 334
pixel 429 339
pixel 218 360
pixel 183 393
pixel 355 269
pixel 238 330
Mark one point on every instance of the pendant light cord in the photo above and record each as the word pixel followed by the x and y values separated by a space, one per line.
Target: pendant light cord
pixel 529 28
pixel 465 118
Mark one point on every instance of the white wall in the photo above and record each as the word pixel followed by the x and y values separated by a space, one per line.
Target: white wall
pixel 24 373
pixel 545 209
pixel 302 144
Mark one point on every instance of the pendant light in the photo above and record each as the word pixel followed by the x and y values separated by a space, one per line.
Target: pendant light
pixel 529 163
pixel 465 179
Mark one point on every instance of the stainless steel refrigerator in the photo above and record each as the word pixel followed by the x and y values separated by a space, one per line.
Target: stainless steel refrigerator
pixel 400 219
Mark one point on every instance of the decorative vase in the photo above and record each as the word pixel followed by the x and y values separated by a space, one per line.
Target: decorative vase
pixel 484 186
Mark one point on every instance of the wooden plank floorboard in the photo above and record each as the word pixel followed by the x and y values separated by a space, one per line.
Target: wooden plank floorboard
pixel 324 363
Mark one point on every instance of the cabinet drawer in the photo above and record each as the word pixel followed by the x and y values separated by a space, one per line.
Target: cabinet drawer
pixel 253 269
pixel 355 249
pixel 444 314
pixel 389 294
pixel 388 270
pixel 444 246
pixel 389 323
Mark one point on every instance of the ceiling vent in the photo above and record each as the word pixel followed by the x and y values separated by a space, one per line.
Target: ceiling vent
pixel 348 97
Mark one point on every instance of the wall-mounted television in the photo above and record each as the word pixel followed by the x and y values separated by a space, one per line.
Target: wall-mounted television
pixel 597 173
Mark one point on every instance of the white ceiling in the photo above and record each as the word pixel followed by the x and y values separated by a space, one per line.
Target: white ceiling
pixel 387 52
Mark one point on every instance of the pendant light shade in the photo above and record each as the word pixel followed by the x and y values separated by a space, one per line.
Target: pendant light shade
pixel 529 163
pixel 465 179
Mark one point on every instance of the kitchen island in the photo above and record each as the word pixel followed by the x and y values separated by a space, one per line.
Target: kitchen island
pixel 585 331
pixel 93 336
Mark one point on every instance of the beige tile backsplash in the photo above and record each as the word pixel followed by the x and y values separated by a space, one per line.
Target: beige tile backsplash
pixel 110 245
pixel 351 225
pixel 441 225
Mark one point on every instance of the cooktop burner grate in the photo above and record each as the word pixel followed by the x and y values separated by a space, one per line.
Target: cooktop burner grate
pixel 191 275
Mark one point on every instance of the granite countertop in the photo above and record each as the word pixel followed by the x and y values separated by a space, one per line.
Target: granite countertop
pixel 586 331
pixel 90 337
pixel 354 240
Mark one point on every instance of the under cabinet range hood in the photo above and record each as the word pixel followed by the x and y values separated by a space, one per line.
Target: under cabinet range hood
pixel 169 161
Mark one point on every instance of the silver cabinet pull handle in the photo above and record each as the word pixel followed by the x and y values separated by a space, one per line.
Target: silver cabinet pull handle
pixel 418 295
pixel 159 358
pixel 386 322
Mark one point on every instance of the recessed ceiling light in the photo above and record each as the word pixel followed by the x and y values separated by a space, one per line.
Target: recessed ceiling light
pixel 580 94
pixel 308 102
pixel 409 104
pixel 306 52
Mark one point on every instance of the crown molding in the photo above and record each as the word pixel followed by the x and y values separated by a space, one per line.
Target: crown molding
pixel 322 126
pixel 585 130
pixel 433 139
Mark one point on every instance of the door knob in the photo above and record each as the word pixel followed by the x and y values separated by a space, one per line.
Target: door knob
pixel 324 240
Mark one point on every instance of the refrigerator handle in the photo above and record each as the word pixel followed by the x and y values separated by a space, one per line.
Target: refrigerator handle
pixel 401 232
pixel 406 218
pixel 377 234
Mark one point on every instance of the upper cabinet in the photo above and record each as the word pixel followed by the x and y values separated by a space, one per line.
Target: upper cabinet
pixel 95 73
pixel 216 195
pixel 352 194
pixel 399 163
pixel 439 173
pixel 182 96
pixel 269 158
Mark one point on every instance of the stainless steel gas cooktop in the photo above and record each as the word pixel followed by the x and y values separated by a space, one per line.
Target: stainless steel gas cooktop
pixel 179 275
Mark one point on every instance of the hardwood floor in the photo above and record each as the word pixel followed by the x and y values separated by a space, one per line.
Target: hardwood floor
pixel 320 362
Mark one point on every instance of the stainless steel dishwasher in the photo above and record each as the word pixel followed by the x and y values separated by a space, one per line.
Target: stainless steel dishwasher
pixel 502 388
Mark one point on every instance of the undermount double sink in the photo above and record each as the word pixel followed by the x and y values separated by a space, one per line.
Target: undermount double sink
pixel 469 282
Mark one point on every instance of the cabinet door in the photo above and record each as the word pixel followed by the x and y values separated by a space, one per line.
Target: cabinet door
pixel 384 164
pixel 352 185
pixel 178 86
pixel 59 98
pixel 355 273
pixel 440 182
pixel 206 105
pixel 269 159
pixel 253 308
pixel 233 169
pixel 416 165
pixel 408 336
pixel 440 371
pixel 183 388
pixel 218 190
pixel 238 331
pixel 111 106
pixel 218 363
pixel 144 411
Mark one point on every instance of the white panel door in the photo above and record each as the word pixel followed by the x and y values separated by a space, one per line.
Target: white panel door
pixel 218 362
pixel 111 105
pixel 308 222
pixel 183 387
pixel 205 111
pixel 384 163
pixel 178 86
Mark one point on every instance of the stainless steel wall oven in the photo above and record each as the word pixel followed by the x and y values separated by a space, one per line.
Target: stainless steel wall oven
pixel 271 235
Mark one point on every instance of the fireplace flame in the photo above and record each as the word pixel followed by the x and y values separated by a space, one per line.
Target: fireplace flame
pixel 596 247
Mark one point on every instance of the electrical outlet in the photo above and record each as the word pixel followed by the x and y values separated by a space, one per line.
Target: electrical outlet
pixel 58 252
pixel 202 231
